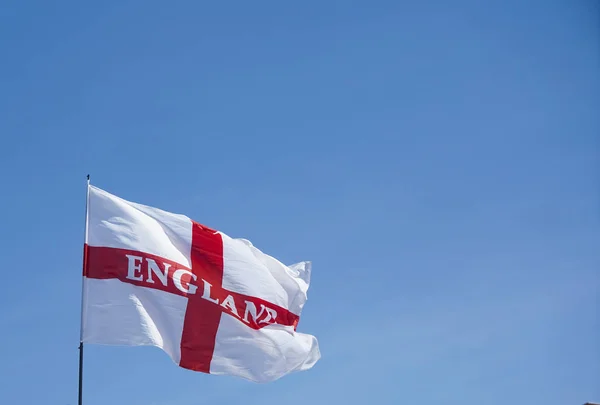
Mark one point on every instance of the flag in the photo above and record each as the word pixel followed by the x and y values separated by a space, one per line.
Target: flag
pixel 213 303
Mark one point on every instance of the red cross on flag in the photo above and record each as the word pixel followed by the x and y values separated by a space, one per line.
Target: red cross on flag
pixel 214 304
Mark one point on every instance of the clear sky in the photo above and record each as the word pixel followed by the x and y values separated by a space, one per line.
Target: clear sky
pixel 437 161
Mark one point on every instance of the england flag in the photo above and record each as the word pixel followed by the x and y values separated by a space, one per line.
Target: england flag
pixel 214 304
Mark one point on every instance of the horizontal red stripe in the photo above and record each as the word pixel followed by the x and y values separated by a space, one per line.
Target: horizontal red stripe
pixel 114 263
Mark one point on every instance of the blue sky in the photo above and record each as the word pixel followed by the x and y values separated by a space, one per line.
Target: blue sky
pixel 437 161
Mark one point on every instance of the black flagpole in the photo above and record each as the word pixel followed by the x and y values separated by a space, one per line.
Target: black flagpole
pixel 87 198
pixel 80 402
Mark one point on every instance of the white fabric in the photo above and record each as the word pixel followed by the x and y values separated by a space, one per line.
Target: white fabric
pixel 114 222
pixel 261 355
pixel 123 314
pixel 247 270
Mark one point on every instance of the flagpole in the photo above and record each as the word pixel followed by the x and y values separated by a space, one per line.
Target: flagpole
pixel 85 239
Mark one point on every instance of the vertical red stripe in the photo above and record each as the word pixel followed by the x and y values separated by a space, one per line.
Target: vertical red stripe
pixel 202 317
